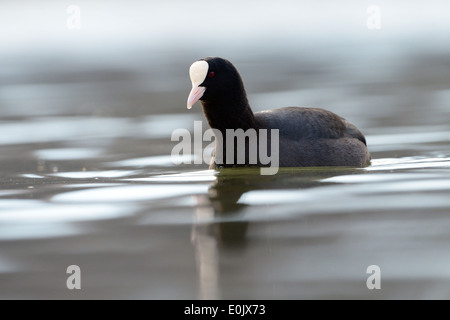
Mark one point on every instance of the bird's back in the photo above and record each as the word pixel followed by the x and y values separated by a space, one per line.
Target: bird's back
pixel 297 123
pixel 315 137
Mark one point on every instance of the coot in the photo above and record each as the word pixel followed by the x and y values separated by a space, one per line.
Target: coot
pixel 307 137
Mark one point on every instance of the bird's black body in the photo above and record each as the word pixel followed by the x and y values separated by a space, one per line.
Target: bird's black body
pixel 307 136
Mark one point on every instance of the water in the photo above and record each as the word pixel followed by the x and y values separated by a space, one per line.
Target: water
pixel 87 178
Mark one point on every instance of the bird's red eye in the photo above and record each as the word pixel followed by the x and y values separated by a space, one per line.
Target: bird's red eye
pixel 211 74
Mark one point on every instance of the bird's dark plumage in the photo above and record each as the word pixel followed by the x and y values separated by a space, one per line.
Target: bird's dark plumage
pixel 307 136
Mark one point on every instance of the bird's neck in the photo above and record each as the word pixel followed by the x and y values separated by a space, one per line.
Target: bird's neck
pixel 229 114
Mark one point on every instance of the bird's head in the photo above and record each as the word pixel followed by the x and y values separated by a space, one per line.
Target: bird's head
pixel 214 79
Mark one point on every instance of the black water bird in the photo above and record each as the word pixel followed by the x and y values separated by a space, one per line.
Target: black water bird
pixel 308 137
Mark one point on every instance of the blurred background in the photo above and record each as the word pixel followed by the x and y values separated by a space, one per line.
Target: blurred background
pixel 90 93
pixel 130 58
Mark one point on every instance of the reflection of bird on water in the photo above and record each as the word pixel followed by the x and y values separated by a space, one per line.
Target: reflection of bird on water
pixel 231 184
pixel 221 223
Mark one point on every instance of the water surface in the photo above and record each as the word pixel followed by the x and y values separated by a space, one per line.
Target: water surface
pixel 87 178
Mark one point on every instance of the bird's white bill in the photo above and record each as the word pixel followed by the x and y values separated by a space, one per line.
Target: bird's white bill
pixel 195 94
pixel 197 73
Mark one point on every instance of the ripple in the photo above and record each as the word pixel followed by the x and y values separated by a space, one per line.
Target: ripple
pixel 408 138
pixel 39 212
pixel 163 161
pixel 378 178
pixel 94 174
pixel 197 176
pixel 12 192
pixel 10 232
pixel 272 197
pixel 18 204
pixel 89 185
pixel 62 129
pixel 35 219
pixel 130 193
pixel 408 163
pixel 338 201
pixel 31 176
pixel 413 186
pixel 67 153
